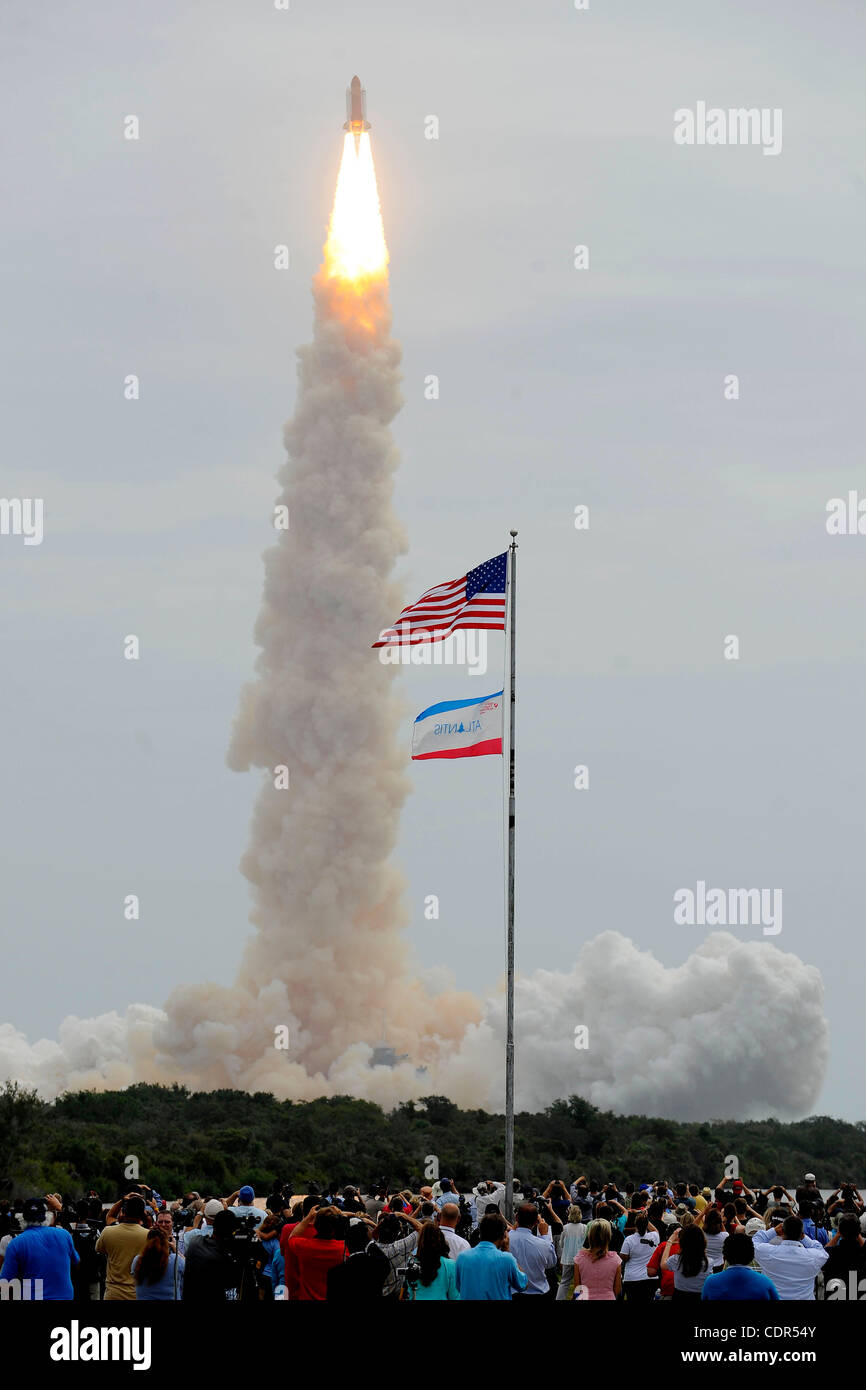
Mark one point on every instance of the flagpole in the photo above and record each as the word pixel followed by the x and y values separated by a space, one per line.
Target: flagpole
pixel 509 895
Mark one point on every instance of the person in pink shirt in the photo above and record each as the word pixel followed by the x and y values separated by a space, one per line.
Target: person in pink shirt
pixel 597 1270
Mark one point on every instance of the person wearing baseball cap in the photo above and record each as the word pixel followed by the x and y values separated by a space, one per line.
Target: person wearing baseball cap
pixel 42 1252
pixel 245 1199
pixel 202 1227
pixel 809 1192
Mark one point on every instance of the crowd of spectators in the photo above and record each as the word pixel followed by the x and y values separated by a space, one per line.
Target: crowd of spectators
pixel 581 1241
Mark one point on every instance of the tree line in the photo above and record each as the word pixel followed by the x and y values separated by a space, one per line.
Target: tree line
pixel 216 1140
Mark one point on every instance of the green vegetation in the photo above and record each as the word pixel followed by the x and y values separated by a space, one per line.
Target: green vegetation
pixel 215 1141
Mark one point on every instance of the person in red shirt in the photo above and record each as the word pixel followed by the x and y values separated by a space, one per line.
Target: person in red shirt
pixel 298 1210
pixel 654 1268
pixel 313 1248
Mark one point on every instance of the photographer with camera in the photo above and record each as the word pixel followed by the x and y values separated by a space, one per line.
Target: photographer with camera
pixel 580 1197
pixel 202 1225
pixel 314 1246
pixel 532 1246
pixel 122 1239
pixel 245 1199
pixel 211 1273
pixel 431 1275
pixel 158 1270
pixel 790 1258
pixel 638 1285
pixel 397 1238
pixel 42 1252
pixel 557 1194
pixel 85 1233
pixel 280 1200
pixel 808 1192
pixel 845 1201
pixel 360 1277
pixel 353 1203
pixel 272 1266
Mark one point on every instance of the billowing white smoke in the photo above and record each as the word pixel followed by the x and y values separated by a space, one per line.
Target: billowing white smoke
pixel 737 1030
pixel 728 1031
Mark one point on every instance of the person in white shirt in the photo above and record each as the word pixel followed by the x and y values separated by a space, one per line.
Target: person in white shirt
pixel 516 1201
pixel 487 1192
pixel 573 1237
pixel 447 1220
pixel 635 1254
pixel 790 1258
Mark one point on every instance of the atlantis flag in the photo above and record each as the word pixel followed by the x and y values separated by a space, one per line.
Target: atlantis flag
pixel 476 600
pixel 459 728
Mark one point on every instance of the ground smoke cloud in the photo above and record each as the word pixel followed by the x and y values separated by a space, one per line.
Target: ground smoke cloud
pixel 737 1029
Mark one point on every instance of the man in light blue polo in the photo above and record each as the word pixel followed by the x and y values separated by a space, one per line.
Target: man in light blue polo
pixel 241 1203
pixel 489 1272
pixel 535 1254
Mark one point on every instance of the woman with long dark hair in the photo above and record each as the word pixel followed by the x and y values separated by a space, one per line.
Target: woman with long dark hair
pixel 714 1229
pixel 437 1278
pixel 690 1264
pixel 157 1271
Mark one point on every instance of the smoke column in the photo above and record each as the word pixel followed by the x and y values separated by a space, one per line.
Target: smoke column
pixel 738 1028
pixel 328 956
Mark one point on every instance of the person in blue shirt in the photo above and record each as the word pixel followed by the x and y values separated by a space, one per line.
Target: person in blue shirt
pixel 533 1248
pixel 738 1281
pixel 45 1253
pixel 806 1211
pixel 489 1272
pixel 242 1203
pixel 273 1270
pixel 448 1193
pixel 158 1270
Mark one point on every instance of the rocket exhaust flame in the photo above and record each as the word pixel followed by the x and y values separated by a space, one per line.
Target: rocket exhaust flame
pixel 355 249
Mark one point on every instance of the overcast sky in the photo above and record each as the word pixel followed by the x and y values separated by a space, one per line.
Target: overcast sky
pixel 557 387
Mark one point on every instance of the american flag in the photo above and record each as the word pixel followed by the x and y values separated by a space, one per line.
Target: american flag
pixel 476 600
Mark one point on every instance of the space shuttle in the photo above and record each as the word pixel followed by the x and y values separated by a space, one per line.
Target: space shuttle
pixel 356 111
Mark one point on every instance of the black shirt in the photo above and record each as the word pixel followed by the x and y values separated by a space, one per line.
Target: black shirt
pixel 208 1273
pixel 841 1258
pixel 90 1265
pixel 807 1194
pixel 358 1279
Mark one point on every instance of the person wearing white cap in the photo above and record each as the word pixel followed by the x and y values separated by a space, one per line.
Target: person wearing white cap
pixel 809 1192
pixel 202 1226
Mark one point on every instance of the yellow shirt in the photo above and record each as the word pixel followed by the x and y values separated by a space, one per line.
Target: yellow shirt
pixel 120 1244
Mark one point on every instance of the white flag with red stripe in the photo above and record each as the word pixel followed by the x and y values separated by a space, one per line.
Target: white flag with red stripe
pixel 459 728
